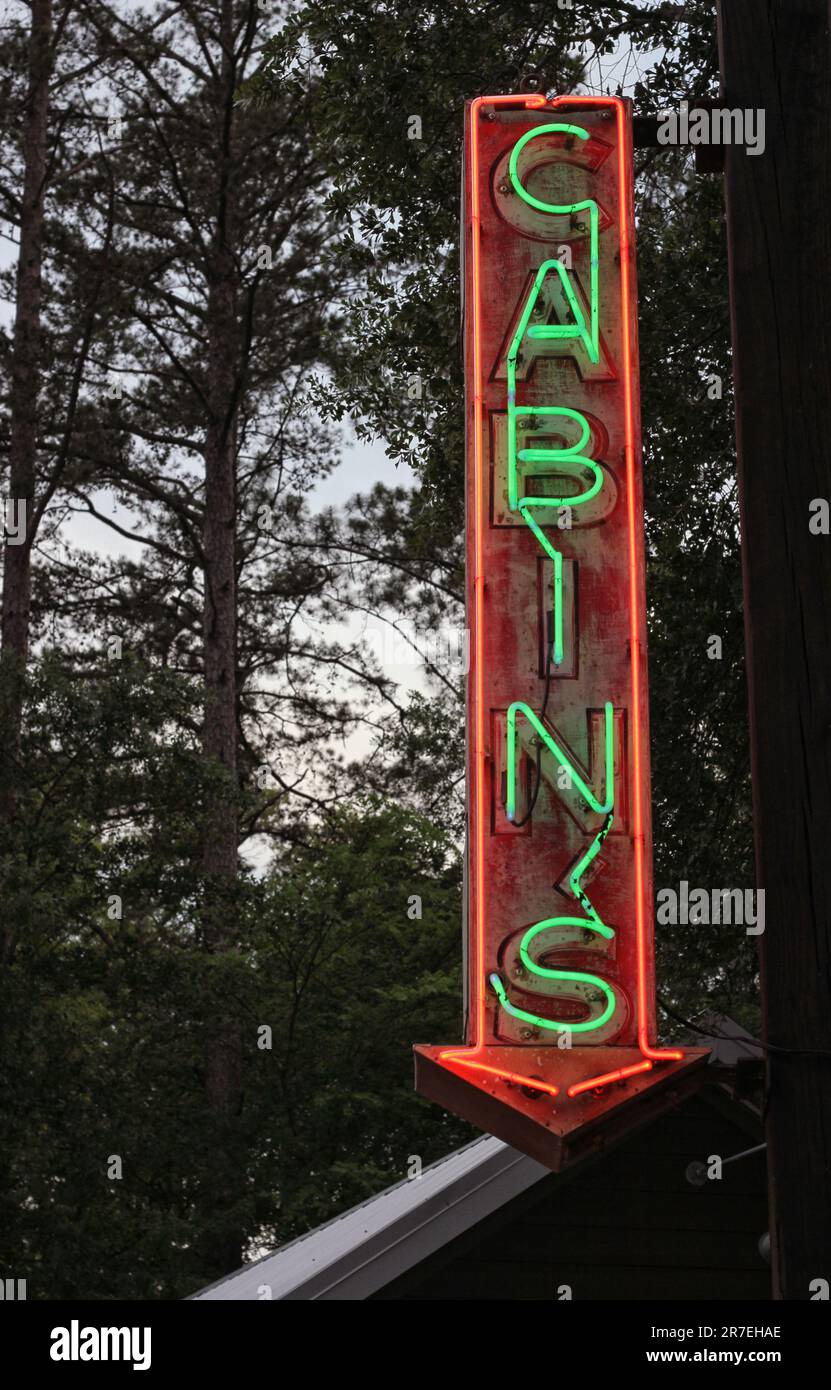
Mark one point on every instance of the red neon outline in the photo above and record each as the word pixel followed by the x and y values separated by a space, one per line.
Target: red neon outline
pixel 606 1080
pixel 478 751
pixel 454 1055
pixel 634 631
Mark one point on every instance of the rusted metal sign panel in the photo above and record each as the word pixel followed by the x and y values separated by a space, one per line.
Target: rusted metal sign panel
pixel 560 1025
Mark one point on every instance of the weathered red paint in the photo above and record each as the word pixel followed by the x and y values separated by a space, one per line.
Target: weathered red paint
pixel 517 875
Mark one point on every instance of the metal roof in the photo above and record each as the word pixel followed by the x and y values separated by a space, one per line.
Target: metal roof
pixel 729 1041
pixel 369 1246
pixel 366 1248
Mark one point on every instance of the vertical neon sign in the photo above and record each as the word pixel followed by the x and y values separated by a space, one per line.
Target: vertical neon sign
pixel 560 990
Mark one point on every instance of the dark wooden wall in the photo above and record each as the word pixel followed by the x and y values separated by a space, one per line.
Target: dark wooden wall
pixel 627 1226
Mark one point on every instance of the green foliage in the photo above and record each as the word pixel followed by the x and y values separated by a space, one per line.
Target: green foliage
pixel 354 977
pixel 105 1025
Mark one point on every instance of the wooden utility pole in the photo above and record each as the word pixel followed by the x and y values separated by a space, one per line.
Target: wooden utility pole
pixel 776 57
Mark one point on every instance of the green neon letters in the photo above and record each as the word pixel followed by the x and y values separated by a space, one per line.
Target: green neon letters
pixel 575 976
pixel 564 210
pixel 600 808
pixel 570 459
pixel 592 921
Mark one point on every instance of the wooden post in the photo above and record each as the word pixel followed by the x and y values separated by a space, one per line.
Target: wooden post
pixel 776 56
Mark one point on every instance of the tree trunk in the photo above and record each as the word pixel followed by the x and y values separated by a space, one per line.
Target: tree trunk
pixel 23 425
pixel 223 1245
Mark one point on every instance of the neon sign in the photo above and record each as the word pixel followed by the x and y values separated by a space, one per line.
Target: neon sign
pixel 560 960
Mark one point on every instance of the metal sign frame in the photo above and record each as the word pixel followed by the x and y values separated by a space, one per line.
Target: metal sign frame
pixel 560 1018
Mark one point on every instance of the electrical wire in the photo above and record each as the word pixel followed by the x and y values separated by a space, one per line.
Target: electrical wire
pixel 747 1042
pixel 538 781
